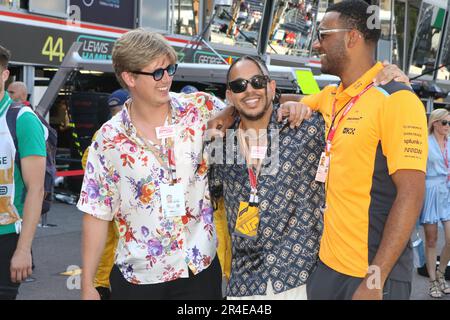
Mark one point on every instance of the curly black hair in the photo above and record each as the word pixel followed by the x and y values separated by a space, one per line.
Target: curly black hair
pixel 356 14
pixel 256 60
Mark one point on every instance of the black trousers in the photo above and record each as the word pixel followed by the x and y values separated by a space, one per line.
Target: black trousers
pixel 328 284
pixel 8 244
pixel 206 285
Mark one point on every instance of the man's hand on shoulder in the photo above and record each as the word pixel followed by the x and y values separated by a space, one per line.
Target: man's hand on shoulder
pixel 390 72
pixel 218 125
pixel 295 111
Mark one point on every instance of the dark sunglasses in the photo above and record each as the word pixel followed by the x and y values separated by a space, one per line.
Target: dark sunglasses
pixel 445 123
pixel 158 74
pixel 240 85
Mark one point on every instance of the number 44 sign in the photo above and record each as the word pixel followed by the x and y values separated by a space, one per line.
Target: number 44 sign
pixel 53 49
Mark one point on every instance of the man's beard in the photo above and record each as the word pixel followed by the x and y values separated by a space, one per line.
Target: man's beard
pixel 259 115
pixel 336 64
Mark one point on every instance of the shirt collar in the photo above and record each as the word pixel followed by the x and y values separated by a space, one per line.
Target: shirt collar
pixel 273 123
pixel 359 85
pixel 125 119
pixel 4 103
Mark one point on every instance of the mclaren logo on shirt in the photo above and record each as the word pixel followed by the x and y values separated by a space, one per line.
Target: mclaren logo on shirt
pixel 354 118
pixel 349 131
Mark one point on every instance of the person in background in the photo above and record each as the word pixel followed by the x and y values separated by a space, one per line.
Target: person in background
pixel 436 207
pixel 60 119
pixel 18 92
pixel 22 185
pixel 116 101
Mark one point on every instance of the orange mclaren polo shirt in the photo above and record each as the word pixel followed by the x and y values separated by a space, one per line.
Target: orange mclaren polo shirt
pixel 385 130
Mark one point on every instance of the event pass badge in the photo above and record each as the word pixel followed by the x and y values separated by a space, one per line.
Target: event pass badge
pixel 165 132
pixel 247 221
pixel 322 169
pixel 172 200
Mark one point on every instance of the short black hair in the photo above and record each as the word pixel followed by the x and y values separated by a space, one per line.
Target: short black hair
pixel 5 55
pixel 355 15
pixel 255 59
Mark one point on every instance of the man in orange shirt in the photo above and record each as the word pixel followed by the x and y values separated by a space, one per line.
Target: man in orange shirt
pixel 375 163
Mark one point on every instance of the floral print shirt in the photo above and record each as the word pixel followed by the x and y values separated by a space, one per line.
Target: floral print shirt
pixel 122 183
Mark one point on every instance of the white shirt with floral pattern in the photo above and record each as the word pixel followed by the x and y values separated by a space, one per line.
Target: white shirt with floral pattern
pixel 121 183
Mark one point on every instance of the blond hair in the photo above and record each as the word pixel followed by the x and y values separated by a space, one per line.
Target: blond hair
pixel 136 49
pixel 436 115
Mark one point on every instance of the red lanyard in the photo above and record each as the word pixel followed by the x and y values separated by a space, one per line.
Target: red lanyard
pixel 253 180
pixel 253 176
pixel 172 166
pixel 346 109
pixel 171 153
pixel 161 151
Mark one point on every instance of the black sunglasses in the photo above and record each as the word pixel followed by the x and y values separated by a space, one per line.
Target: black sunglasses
pixel 445 123
pixel 158 74
pixel 240 85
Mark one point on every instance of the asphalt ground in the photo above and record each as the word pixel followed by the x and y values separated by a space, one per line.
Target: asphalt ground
pixel 57 250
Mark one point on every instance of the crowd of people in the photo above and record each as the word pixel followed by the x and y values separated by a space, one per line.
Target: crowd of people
pixel 282 198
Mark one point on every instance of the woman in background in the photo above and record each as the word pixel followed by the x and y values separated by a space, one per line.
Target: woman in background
pixel 437 200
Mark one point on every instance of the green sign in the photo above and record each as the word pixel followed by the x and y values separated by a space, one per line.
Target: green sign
pixel 96 48
pixel 438 18
pixel 306 82
pixel 47 46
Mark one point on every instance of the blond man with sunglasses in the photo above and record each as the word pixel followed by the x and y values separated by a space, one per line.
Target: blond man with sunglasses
pixel 149 152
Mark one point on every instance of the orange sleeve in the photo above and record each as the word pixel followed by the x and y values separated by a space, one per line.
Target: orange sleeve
pixel 404 136
pixel 312 101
